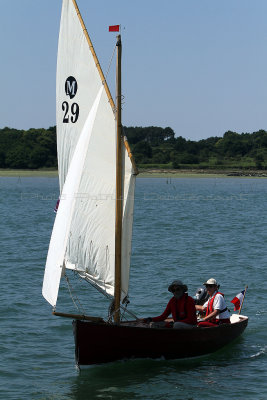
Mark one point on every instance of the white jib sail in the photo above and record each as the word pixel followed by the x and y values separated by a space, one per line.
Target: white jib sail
pixel 83 237
pixel 57 247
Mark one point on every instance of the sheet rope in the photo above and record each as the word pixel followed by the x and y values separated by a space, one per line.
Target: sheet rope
pixel 73 297
pixel 125 301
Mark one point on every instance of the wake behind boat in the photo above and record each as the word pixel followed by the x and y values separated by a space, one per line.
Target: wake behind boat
pixel 93 226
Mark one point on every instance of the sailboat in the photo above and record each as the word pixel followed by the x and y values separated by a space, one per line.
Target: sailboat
pixel 92 232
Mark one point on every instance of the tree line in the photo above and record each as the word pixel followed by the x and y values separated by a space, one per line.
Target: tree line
pixel 159 146
pixel 30 149
pixel 152 147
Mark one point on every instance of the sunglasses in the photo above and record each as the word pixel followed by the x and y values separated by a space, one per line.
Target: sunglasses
pixel 210 286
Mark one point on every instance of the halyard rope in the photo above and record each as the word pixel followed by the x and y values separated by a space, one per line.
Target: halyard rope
pixel 110 63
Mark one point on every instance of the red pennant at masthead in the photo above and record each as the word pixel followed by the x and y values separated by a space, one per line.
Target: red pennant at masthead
pixel 114 28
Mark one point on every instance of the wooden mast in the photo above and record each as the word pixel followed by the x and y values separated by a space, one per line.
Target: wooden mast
pixel 118 219
pixel 119 202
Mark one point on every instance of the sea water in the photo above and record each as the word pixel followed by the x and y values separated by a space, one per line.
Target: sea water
pixel 184 228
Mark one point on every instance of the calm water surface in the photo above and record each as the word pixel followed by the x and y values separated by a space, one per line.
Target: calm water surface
pixel 184 228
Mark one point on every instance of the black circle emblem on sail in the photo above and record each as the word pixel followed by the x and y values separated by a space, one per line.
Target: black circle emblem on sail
pixel 71 87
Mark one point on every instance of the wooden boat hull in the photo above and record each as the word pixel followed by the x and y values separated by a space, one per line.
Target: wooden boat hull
pixel 100 343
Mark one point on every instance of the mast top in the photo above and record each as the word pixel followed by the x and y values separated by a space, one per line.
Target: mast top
pixel 118 40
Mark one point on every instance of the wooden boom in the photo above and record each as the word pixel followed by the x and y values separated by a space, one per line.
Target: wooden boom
pixel 78 316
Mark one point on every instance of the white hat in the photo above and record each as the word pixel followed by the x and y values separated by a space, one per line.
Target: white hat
pixel 211 281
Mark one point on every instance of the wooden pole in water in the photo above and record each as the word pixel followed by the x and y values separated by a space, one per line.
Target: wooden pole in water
pixel 118 220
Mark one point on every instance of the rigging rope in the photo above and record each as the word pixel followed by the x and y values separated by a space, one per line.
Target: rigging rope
pixel 111 312
pixel 80 309
pixel 110 63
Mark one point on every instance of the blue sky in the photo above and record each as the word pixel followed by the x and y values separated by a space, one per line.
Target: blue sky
pixel 198 66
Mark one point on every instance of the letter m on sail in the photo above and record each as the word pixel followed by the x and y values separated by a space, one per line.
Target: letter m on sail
pixel 71 86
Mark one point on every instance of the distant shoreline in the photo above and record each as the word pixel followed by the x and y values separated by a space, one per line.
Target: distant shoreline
pixel 150 173
pixel 201 173
pixel 28 173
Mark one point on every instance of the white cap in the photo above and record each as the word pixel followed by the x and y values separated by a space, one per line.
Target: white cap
pixel 211 281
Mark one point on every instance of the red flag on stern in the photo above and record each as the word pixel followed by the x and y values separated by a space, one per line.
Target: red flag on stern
pixel 114 28
pixel 237 300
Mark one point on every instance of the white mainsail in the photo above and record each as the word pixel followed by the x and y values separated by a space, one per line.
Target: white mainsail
pixel 78 83
pixel 83 237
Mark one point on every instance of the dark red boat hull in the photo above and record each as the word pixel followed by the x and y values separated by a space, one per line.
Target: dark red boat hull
pixel 100 343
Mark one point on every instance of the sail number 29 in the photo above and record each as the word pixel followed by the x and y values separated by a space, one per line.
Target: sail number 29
pixel 71 113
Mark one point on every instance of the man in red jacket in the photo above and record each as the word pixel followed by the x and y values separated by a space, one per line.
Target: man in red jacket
pixel 181 307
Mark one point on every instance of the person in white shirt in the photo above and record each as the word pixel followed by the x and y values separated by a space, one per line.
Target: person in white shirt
pixel 216 311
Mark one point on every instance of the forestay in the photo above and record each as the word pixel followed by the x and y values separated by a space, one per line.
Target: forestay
pixel 83 237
